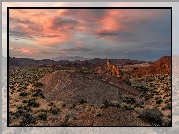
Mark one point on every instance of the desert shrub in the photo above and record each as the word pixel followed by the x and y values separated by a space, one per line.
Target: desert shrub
pixel 167 123
pixel 33 103
pixel 27 119
pixel 24 87
pixel 135 69
pixel 102 106
pixel 92 109
pixel 42 116
pixel 50 104
pixel 23 93
pixel 72 106
pixel 27 84
pixel 153 116
pixel 11 86
pixel 16 114
pixel 168 106
pixel 112 104
pixel 20 111
pixel 21 83
pixel 158 100
pixel 130 100
pixel 40 110
pixel 98 112
pixel 54 110
pixel 139 105
pixel 65 119
pixel 146 97
pixel 143 89
pixel 142 95
pixel 20 89
pixel 24 101
pixel 169 116
pixel 128 107
pixel 166 101
pixel 24 107
pixel 105 103
pixel 87 71
pixel 37 93
pixel 82 101
pixel 38 84
pixel 42 96
pixel 163 108
pixel 63 105
pixel 87 108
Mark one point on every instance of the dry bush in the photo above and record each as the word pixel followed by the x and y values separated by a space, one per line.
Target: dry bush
pixel 153 116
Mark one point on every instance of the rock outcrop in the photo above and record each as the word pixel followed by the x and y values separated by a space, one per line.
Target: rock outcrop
pixel 161 66
pixel 115 71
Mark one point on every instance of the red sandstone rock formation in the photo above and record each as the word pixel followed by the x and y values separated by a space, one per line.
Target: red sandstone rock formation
pixel 161 66
pixel 115 71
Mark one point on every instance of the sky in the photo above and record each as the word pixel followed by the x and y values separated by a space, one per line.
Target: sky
pixel 140 34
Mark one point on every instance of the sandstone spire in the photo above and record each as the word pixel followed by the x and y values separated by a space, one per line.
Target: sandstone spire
pixel 115 71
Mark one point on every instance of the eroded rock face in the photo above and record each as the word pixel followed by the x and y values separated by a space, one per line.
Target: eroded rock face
pixel 115 71
pixel 108 64
pixel 161 66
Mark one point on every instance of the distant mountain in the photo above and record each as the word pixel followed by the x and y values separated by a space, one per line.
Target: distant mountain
pixel 161 66
pixel 70 58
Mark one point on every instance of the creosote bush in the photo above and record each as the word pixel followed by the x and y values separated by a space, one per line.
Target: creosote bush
pixel 105 103
pixel 41 116
pixel 158 100
pixel 82 101
pixel 37 93
pixel 38 84
pixel 130 100
pixel 50 104
pixel 27 119
pixel 63 105
pixel 33 103
pixel 23 93
pixel 24 107
pixel 54 110
pixel 65 120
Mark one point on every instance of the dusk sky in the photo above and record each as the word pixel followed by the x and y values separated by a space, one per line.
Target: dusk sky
pixel 141 34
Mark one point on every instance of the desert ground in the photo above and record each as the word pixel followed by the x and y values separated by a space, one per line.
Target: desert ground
pixel 67 96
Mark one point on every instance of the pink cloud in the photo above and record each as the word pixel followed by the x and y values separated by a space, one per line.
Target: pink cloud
pixel 40 26
pixel 26 51
pixel 48 42
pixel 55 27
